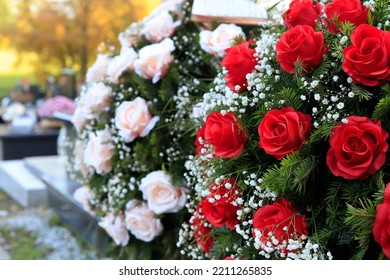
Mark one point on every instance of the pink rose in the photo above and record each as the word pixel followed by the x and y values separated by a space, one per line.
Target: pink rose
pixel 99 151
pixel 83 196
pixel 159 27
pixel 131 36
pixel 98 70
pixel 154 60
pixel 141 221
pixel 95 99
pixel 79 163
pixel 162 196
pixel 121 63
pixel 133 119
pixel 79 120
pixel 115 227
pixel 217 41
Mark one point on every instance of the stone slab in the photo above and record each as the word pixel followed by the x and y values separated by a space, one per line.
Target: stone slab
pixel 22 185
pixel 50 165
pixel 60 188
pixel 4 254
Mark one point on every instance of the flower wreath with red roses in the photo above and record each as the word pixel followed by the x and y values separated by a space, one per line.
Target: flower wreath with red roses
pixel 132 140
pixel 296 127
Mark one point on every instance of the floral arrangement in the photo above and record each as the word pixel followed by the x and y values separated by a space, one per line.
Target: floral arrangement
pixel 58 103
pixel 291 150
pixel 135 131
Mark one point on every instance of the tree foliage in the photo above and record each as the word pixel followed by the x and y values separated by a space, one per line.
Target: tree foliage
pixel 67 34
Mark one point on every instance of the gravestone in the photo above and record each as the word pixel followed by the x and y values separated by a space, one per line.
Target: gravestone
pixel 60 188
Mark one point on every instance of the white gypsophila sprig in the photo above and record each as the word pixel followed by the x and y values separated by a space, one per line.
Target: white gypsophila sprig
pixel 258 197
pixel 327 96
pixel 259 83
pixel 294 248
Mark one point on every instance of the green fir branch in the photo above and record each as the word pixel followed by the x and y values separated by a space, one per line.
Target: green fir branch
pixel 386 89
pixel 347 28
pixel 322 133
pixel 289 97
pixel 380 186
pixel 382 109
pixel 361 93
pixel 223 239
pixel 291 175
pixel 361 220
pixel 323 69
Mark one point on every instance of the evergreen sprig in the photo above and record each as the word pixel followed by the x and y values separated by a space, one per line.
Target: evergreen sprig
pixel 291 175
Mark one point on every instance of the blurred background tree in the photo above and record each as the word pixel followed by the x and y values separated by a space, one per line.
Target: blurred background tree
pixel 59 34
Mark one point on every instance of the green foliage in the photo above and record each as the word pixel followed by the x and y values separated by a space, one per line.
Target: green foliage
pixel 323 69
pixel 290 98
pixel 291 175
pixel 363 94
pixel 225 238
pixel 322 133
pixel 98 181
pixel 382 108
pixel 380 14
pixel 347 28
pixel 22 245
pixel 361 220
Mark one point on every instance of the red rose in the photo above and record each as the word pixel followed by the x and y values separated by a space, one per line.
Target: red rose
pixel 199 145
pixel 218 206
pixel 281 219
pixel 201 230
pixel 239 61
pixel 381 228
pixel 302 12
pixel 340 11
pixel 357 148
pixel 225 134
pixel 303 45
pixel 283 131
pixel 367 60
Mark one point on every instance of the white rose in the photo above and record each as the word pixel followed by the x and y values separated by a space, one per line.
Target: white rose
pixel 96 98
pixel 98 70
pixel 161 195
pixel 133 119
pixel 141 221
pixel 154 60
pixel 121 63
pixel 115 227
pixel 217 41
pixel 159 27
pixel 99 151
